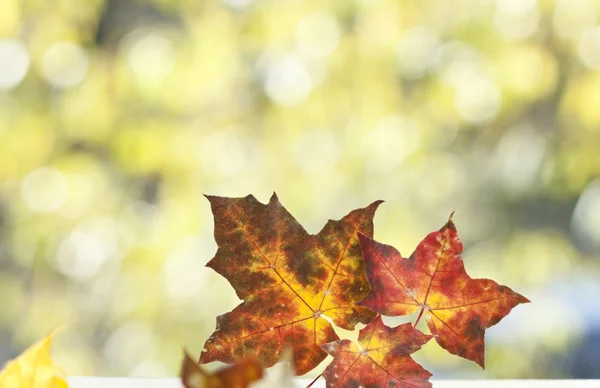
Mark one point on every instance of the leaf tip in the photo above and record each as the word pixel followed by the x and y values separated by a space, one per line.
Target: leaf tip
pixel 209 264
pixel 377 203
pixel 481 362
pixel 204 358
pixel 450 223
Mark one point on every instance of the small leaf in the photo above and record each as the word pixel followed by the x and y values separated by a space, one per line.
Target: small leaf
pixel 238 375
pixel 381 359
pixel 433 282
pixel 34 368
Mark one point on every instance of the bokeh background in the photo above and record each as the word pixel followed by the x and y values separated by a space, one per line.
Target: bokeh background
pixel 117 115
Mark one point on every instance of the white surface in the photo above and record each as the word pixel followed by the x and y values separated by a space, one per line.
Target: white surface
pixel 118 382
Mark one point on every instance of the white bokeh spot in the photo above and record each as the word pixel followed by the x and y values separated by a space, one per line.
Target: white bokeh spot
pixel 14 63
pixel 45 189
pixel 151 57
pixel 65 64
pixel 288 81
pixel 317 35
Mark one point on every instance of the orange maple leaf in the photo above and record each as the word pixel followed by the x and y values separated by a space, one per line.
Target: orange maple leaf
pixel 291 282
pixel 381 358
pixel 433 281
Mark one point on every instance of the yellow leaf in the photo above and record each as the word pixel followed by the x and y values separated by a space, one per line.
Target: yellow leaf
pixel 34 368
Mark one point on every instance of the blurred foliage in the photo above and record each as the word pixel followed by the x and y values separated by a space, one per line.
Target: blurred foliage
pixel 116 115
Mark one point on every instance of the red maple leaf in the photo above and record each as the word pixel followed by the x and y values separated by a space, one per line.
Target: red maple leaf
pixel 434 282
pixel 381 359
pixel 290 282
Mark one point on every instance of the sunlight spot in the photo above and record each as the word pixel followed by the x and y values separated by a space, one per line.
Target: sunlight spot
pixel 45 189
pixel 65 64
pixel 14 63
pixel 151 57
pixel 82 254
pixel 317 35
pixel 516 19
pixel 128 344
pixel 589 48
pixel 477 100
pixel 455 61
pixel 571 18
pixel 416 51
pixel 392 140
pixel 288 81
pixel 518 158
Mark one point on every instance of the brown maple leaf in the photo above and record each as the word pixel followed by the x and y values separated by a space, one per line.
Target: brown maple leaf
pixel 434 282
pixel 381 359
pixel 291 282
pixel 239 375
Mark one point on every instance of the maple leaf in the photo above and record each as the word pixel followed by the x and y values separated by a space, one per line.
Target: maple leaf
pixel 291 282
pixel 433 281
pixel 34 368
pixel 381 358
pixel 239 375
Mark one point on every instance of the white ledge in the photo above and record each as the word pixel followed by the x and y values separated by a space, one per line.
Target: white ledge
pixel 123 382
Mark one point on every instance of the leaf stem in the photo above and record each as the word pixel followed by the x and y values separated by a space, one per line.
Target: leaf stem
pixel 419 317
pixel 314 381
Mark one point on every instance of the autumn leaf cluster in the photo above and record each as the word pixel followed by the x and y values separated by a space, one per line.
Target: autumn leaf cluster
pixel 295 287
